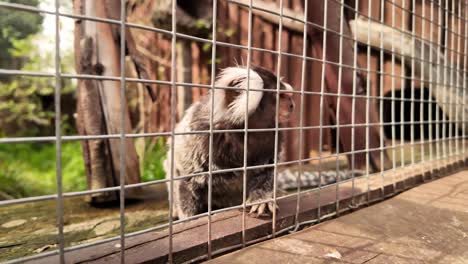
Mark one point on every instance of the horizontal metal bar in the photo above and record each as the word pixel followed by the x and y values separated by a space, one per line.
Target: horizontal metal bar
pixel 239 169
pixel 219 43
pixel 44 139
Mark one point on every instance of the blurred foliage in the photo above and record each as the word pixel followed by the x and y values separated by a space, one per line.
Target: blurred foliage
pixel 29 169
pixel 27 102
pixel 16 25
pixel 152 164
pixel 27 110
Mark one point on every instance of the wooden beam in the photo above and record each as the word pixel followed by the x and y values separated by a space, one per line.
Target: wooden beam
pixel 441 92
pixel 267 10
pixel 408 48
pixel 190 238
pixel 195 23
pixel 184 74
pixel 99 108
pixel 90 117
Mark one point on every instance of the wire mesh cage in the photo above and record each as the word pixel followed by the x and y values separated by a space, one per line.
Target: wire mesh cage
pixel 375 93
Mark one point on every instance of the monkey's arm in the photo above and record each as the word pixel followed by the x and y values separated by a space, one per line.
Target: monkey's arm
pixel 193 197
pixel 260 188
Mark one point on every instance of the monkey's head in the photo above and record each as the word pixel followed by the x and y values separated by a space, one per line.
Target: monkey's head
pixel 231 104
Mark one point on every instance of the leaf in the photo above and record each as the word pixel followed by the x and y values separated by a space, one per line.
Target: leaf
pixel 206 47
pixel 229 32
pixel 202 24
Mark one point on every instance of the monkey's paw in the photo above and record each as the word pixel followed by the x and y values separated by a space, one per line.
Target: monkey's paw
pixel 263 209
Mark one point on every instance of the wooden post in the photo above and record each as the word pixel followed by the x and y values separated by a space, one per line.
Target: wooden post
pixel 362 56
pixel 184 74
pixel 397 18
pixel 316 15
pixel 98 101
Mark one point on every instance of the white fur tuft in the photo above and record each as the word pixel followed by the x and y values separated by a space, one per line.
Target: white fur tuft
pixel 235 111
pixel 288 86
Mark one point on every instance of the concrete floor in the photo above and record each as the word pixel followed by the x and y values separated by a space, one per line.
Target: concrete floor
pixel 427 224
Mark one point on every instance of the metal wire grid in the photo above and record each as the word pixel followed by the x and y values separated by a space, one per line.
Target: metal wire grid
pixel 440 155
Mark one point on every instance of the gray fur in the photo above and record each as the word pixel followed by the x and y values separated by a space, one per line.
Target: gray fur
pixel 287 179
pixel 191 152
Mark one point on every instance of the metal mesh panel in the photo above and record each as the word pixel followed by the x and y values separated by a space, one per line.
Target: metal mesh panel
pixel 426 50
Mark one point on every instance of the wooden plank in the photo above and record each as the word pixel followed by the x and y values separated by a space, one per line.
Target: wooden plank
pixel 423 13
pixel 190 239
pixel 184 74
pixel 196 72
pixel 312 106
pixel 269 34
pixel 441 90
pixel 456 27
pixel 371 61
pixel 98 102
pixel 347 103
pixel 110 95
pixel 295 78
pixel 397 18
pixel 373 66
pixel 288 23
pixel 380 233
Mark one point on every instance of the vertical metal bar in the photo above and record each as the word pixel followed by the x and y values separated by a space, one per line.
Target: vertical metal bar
pixel 458 82
pixel 413 77
pixel 438 81
pixel 210 147
pixel 173 122
pixel 322 90
pixel 450 71
pixel 453 85
pixel 122 131
pixel 431 88
pixel 338 107
pixel 464 72
pixel 445 67
pixel 278 83
pixel 58 135
pixel 368 90
pixel 353 107
pixel 301 117
pixel 382 100
pixel 402 95
pixel 246 124
pixel 393 99
pixel 423 83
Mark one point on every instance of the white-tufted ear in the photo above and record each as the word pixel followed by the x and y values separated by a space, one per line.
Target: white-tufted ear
pixel 288 86
pixel 231 104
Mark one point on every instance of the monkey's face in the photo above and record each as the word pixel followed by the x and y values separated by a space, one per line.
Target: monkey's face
pixel 286 104
pixel 231 104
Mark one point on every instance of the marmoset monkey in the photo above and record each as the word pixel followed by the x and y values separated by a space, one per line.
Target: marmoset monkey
pixel 191 152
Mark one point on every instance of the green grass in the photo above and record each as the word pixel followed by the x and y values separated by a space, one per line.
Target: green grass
pixel 29 169
pixel 155 153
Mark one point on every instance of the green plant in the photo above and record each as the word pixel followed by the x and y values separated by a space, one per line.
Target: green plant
pixel 27 102
pixel 29 169
pixel 155 153
pixel 12 185
pixel 16 25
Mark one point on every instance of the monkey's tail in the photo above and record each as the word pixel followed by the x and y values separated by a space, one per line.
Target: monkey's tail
pixel 287 179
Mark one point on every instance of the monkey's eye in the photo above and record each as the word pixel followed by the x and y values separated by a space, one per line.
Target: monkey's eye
pixel 285 95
